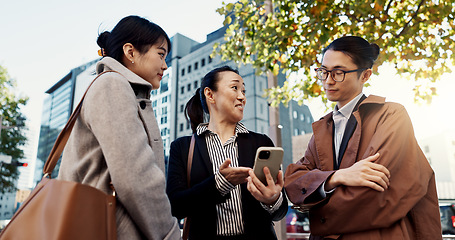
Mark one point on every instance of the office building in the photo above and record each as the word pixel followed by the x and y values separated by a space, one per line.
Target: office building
pixel 7 205
pixel 189 67
pixel 440 152
pixel 57 108
pixel 25 180
pixel 161 104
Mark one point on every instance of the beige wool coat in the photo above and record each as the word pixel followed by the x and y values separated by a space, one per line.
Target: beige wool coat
pixel 116 138
pixel 408 209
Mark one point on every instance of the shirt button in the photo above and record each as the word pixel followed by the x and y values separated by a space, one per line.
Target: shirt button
pixel 303 190
pixel 322 220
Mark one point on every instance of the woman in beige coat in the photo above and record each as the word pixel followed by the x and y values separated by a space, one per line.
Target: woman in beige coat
pixel 116 137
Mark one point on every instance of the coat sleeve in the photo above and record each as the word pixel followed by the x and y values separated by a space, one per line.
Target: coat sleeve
pixel 369 209
pixel 185 201
pixel 111 112
pixel 302 179
pixel 282 210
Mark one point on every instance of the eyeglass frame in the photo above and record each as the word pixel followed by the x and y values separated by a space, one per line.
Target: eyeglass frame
pixel 329 72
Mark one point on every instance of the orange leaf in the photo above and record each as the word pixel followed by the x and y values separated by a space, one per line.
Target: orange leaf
pixel 262 12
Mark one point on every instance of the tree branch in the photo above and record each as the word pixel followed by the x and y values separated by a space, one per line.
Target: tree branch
pixel 388 7
pixel 406 26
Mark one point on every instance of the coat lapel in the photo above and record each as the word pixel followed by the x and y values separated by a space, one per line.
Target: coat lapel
pixel 324 141
pixel 351 139
pixel 201 147
pixel 350 127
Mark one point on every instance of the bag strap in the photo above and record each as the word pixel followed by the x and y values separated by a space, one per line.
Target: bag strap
pixel 190 160
pixel 62 138
pixel 186 228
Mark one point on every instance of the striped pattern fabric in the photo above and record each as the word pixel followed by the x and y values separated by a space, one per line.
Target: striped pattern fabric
pixel 229 214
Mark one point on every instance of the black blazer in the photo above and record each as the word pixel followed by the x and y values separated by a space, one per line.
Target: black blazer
pixel 199 202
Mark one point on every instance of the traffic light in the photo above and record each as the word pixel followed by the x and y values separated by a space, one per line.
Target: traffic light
pixel 21 164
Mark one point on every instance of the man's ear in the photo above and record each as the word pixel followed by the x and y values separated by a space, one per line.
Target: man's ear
pixel 128 52
pixel 366 75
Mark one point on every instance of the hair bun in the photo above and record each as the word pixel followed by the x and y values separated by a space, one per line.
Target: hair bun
pixel 102 39
pixel 375 50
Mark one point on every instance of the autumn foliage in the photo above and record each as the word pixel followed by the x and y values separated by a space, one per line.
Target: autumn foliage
pixel 415 36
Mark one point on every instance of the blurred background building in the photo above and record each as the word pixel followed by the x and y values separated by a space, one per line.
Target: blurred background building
pixel 440 152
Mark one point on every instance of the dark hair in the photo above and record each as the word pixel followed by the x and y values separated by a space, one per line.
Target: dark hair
pixel 360 50
pixel 197 105
pixel 131 29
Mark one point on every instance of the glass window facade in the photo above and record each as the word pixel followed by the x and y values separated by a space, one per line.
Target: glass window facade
pixel 57 108
pixel 56 111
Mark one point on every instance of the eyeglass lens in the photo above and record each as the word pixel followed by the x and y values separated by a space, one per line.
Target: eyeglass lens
pixel 337 74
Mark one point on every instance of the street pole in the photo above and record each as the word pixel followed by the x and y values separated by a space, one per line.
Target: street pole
pixel 274 130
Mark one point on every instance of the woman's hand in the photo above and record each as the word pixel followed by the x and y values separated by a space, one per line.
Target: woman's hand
pixel 364 173
pixel 266 194
pixel 235 175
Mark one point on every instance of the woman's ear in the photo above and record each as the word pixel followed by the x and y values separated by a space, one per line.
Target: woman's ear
pixel 209 95
pixel 128 52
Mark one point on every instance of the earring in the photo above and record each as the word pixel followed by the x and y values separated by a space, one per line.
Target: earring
pixel 132 62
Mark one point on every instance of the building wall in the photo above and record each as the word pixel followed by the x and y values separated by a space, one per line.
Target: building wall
pixel 7 205
pixel 181 46
pixel 21 196
pixel 195 65
pixel 82 81
pixel 299 146
pixel 440 152
pixel 56 111
pixel 161 104
pixel 192 68
pixel 25 180
pixel 57 108
pixel 295 120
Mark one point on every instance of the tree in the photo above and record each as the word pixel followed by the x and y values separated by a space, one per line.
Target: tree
pixel 12 135
pixel 415 36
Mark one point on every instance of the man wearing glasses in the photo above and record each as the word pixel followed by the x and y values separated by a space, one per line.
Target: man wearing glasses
pixel 363 175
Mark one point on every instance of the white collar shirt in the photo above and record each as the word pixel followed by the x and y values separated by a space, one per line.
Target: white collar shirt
pixel 340 119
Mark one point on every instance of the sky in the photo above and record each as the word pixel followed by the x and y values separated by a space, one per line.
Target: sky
pixel 41 41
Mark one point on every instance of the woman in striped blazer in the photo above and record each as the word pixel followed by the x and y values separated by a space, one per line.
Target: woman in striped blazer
pixel 225 199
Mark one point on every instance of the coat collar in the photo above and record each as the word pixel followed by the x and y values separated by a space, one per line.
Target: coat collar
pixel 350 155
pixel 323 139
pixel 323 136
pixel 201 146
pixel 108 63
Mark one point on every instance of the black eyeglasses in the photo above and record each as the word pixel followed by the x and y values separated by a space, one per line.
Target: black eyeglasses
pixel 337 74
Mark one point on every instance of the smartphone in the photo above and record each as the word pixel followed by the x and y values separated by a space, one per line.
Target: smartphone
pixel 270 157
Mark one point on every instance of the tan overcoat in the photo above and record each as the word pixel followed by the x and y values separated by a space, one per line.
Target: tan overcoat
pixel 408 209
pixel 116 138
